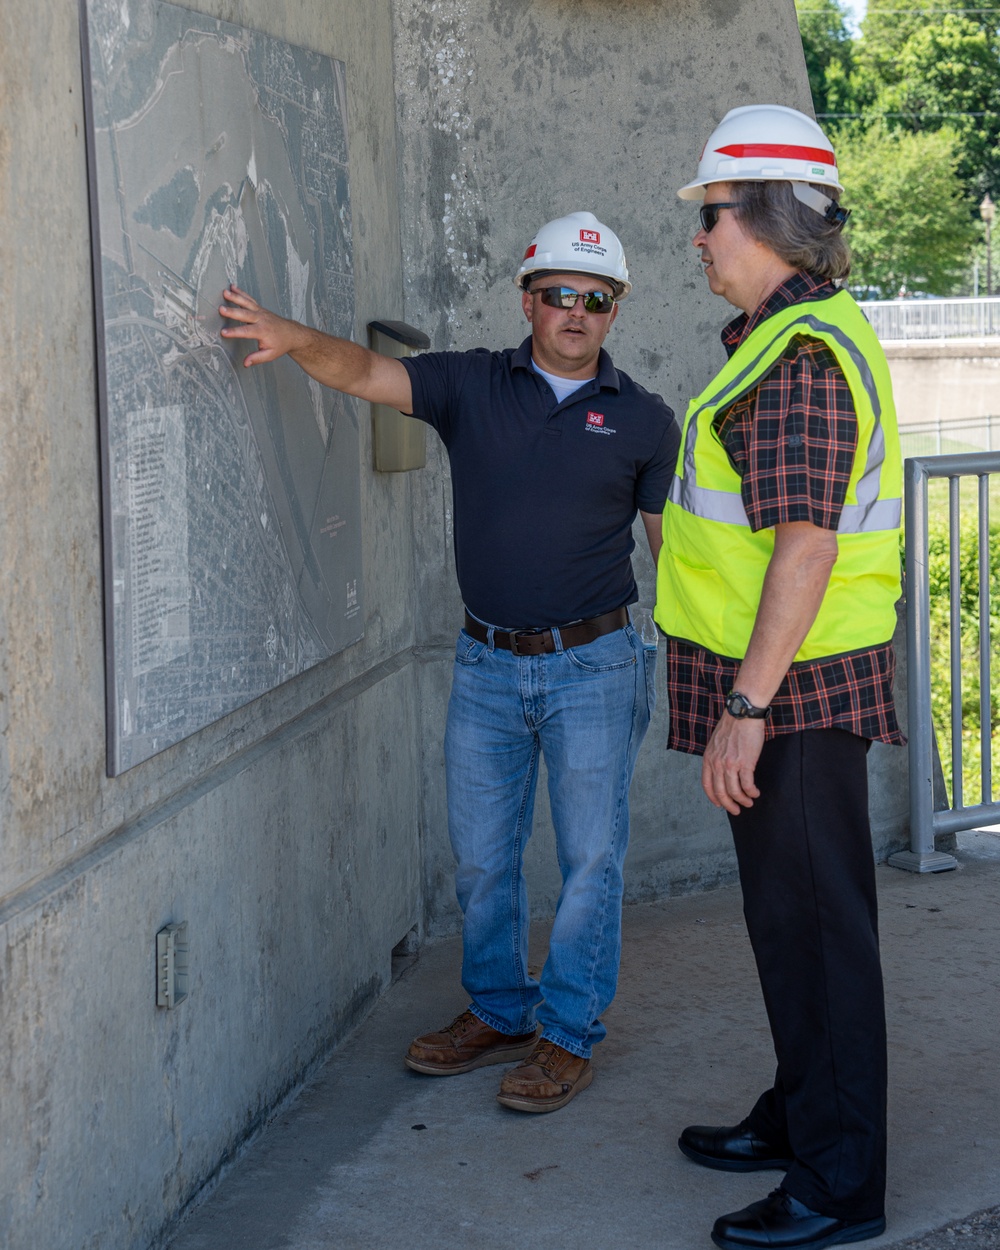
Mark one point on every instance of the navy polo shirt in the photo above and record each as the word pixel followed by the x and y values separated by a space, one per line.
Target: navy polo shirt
pixel 545 493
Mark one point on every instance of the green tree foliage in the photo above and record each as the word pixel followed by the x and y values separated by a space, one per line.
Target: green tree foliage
pixel 827 44
pixel 948 74
pixel 929 68
pixel 884 33
pixel 889 25
pixel 910 223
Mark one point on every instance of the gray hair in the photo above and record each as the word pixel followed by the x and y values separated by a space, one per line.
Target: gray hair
pixel 771 214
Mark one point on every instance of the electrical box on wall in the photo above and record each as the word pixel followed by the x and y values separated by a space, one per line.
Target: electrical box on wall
pixel 399 441
pixel 172 965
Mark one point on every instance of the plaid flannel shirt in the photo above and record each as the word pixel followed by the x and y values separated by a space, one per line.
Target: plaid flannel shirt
pixel 792 440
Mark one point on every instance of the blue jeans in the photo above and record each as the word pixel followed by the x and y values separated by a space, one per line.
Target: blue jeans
pixel 586 710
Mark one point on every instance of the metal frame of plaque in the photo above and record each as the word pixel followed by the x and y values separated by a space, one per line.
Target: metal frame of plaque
pixel 231 496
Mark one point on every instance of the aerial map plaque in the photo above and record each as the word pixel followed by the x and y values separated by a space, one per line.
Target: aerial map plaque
pixel 231 496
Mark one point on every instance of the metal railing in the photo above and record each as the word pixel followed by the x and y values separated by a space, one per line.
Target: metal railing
pixel 915 319
pixel 928 438
pixel 925 822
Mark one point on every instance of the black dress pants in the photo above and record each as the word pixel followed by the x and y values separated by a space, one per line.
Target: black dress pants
pixel 808 877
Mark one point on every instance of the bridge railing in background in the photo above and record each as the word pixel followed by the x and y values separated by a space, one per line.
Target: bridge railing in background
pixel 938 437
pixel 906 319
pixel 925 822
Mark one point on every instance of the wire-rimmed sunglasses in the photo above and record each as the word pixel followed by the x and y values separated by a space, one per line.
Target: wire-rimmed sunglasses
pixel 599 302
pixel 709 214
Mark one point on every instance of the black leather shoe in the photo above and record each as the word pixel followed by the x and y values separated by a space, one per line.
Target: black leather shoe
pixel 735 1149
pixel 781 1222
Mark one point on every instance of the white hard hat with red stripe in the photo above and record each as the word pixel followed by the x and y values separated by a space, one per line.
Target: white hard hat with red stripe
pixel 766 142
pixel 577 243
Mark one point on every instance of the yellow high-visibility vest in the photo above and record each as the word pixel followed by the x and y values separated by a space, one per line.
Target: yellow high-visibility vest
pixel 711 567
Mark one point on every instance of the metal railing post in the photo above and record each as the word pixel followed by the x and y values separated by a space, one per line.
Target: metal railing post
pixel 921 857
pixel 925 822
pixel 985 676
pixel 955 630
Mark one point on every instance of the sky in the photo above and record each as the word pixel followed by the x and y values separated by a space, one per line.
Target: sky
pixel 857 10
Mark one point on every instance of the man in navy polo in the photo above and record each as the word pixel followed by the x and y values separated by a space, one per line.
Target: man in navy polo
pixel 553 451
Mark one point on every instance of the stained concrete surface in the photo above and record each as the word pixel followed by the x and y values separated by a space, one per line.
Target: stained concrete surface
pixel 948 380
pixel 371 1155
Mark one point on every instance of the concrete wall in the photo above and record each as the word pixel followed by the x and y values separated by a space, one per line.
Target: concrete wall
pixel 273 833
pixel 304 835
pixel 955 380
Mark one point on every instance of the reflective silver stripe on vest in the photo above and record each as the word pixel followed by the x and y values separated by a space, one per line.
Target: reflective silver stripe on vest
pixel 711 505
pixel 869 514
pixel 881 514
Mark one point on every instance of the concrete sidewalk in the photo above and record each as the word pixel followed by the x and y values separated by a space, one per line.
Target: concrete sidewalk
pixel 372 1156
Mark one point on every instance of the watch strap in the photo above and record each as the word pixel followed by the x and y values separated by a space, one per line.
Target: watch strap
pixel 740 707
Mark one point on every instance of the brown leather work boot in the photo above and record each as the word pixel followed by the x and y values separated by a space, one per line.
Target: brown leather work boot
pixel 547 1079
pixel 466 1043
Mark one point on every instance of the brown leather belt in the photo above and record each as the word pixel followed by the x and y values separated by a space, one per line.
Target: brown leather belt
pixel 540 641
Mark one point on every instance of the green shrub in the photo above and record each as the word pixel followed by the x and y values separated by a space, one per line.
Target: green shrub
pixel 939 575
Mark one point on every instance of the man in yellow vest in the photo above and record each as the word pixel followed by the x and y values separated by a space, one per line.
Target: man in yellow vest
pixel 777 584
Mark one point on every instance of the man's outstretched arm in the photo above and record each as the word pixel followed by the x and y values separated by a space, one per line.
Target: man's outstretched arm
pixel 337 363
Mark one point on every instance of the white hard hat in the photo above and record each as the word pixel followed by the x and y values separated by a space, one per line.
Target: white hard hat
pixel 767 143
pixel 577 243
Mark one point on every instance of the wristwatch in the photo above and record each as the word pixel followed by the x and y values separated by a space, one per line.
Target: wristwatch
pixel 739 705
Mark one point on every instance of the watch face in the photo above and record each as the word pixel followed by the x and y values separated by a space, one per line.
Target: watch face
pixel 739 706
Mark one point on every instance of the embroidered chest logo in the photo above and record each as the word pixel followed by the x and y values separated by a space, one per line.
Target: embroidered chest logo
pixel 595 424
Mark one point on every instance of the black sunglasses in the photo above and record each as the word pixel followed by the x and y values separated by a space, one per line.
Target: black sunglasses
pixel 565 297
pixel 709 214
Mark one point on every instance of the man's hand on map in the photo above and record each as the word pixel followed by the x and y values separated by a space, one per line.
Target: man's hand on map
pixel 334 362
pixel 276 336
